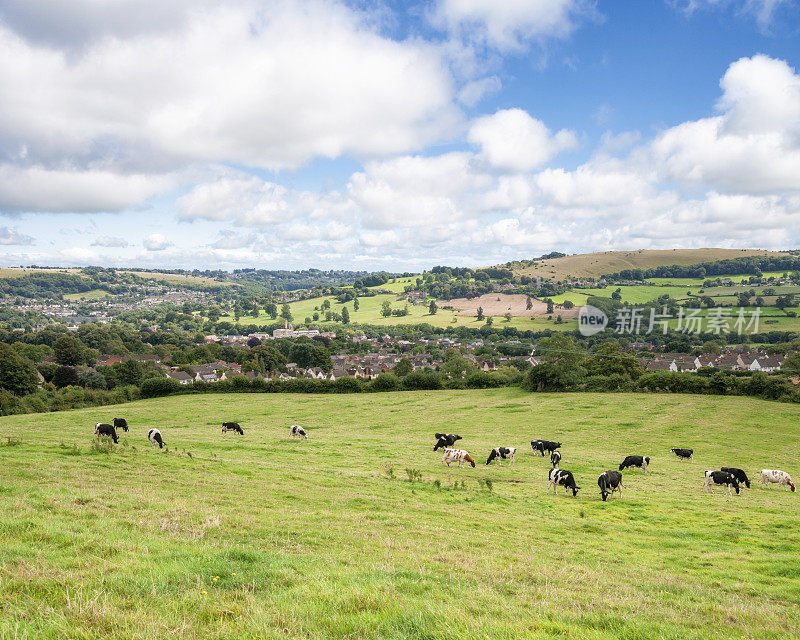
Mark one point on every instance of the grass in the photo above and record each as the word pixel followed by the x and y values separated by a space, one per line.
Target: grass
pixel 93 294
pixel 359 532
pixel 594 265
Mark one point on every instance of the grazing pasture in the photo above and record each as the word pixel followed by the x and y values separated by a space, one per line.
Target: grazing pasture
pixel 360 532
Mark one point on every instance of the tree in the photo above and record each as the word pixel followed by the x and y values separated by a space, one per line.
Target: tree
pixel 307 353
pixel 507 316
pixel 345 316
pixel 529 303
pixel 91 379
pixel 609 359
pixel 480 314
pixel 386 308
pixel 355 304
pixel 68 351
pixel 550 305
pixel 286 312
pixel 17 374
pixel 433 308
pixel 253 342
pixel 66 377
pixel 568 304
pixel 403 368
pixel 266 358
pixel 744 299
pixel 271 309
pixel 617 295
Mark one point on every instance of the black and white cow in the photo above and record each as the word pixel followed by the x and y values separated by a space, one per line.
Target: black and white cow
pixel 232 426
pixel 555 458
pixel 296 431
pixel 720 478
pixel 502 453
pixel 121 423
pixel 106 430
pixel 739 474
pixel 544 445
pixel 445 440
pixel 609 482
pixel 154 436
pixel 564 478
pixel 683 454
pixel 635 461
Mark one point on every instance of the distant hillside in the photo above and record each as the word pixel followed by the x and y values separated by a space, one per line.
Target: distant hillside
pixel 594 265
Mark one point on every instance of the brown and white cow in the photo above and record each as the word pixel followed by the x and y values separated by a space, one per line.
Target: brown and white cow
pixel 457 455
pixel 781 478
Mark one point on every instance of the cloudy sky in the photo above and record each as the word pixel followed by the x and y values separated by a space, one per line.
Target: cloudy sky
pixel 382 134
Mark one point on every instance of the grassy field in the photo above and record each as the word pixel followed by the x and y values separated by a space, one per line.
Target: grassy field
pixel 265 537
pixel 93 294
pixel 369 312
pixel 593 265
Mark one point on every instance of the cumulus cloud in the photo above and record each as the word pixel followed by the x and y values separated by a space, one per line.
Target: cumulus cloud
pixel 110 241
pixel 14 237
pixel 269 85
pixel 156 242
pixel 513 140
pixel 511 25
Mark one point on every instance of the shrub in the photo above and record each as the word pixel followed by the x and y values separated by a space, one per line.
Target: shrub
pixel 348 385
pixel 155 387
pixel 482 380
pixel 385 382
pixel 418 380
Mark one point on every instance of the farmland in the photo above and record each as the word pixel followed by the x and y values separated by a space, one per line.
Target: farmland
pixel 263 537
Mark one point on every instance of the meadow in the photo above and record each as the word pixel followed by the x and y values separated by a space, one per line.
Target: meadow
pixel 359 532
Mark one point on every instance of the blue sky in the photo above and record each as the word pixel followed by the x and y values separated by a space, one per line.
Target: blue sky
pixel 392 135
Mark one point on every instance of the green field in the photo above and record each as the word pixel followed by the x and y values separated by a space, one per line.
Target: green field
pixel 369 312
pixel 93 294
pixel 265 537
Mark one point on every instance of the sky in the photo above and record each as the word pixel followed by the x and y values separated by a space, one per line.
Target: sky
pixel 381 134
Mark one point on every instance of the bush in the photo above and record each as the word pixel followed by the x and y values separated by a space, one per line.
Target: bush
pixel 155 387
pixel 419 380
pixel 385 382
pixel 482 380
pixel 348 385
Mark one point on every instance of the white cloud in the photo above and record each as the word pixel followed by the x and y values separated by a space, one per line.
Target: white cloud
pixel 35 188
pixel 513 140
pixel 510 25
pixel 753 146
pixel 14 237
pixel 763 10
pixel 110 241
pixel 156 242
pixel 271 85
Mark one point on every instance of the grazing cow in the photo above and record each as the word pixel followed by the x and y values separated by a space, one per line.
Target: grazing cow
pixel 555 458
pixel 154 435
pixel 232 426
pixel 780 477
pixel 503 453
pixel 635 461
pixel 741 476
pixel 444 440
pixel 457 455
pixel 721 478
pixel 121 423
pixel 609 482
pixel 296 431
pixel 544 445
pixel 683 454
pixel 564 478
pixel 106 430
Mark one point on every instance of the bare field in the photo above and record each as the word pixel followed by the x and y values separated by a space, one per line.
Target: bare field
pixel 499 304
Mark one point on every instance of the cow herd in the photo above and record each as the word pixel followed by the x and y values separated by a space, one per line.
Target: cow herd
pixel 609 481
pixel 730 479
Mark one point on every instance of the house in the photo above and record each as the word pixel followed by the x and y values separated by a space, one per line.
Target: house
pixel 107 360
pixel 180 376
pixel 660 365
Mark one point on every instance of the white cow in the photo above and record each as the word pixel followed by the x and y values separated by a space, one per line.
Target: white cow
pixel 774 475
pixel 457 455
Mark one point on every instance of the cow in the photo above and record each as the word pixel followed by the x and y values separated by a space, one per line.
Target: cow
pixel 564 478
pixel 720 478
pixel 121 423
pixel 106 430
pixel 502 453
pixel 741 476
pixel 635 461
pixel 456 455
pixel 232 426
pixel 780 477
pixel 444 440
pixel 683 454
pixel 609 482
pixel 555 458
pixel 154 436
pixel 296 431
pixel 544 445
